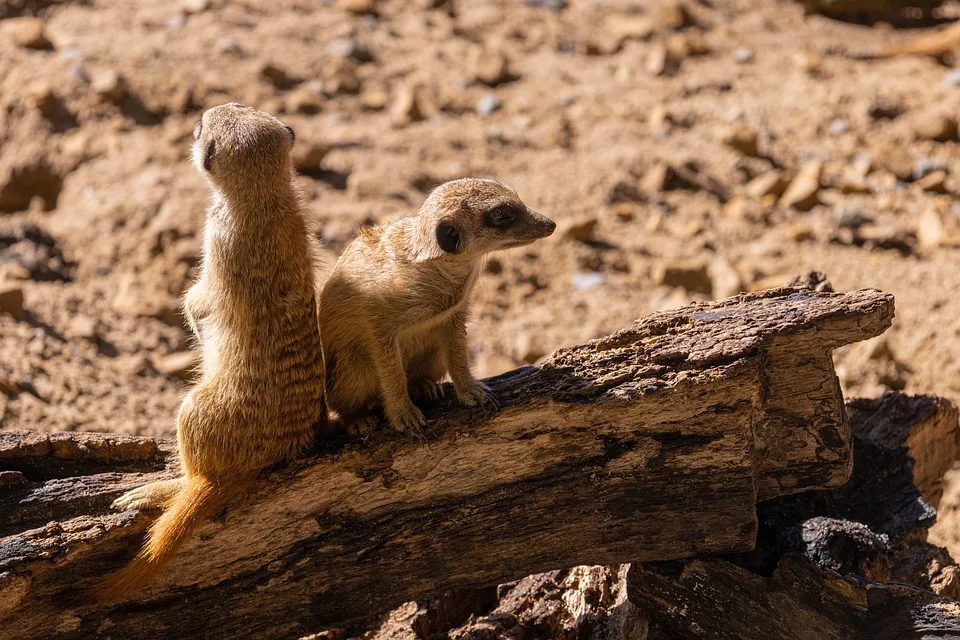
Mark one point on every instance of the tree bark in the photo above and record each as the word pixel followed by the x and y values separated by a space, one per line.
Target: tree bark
pixel 654 443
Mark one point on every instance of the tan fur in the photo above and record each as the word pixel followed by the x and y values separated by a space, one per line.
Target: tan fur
pixel 393 312
pixel 253 311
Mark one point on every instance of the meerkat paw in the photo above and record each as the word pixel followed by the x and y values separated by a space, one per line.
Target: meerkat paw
pixel 426 391
pixel 408 420
pixel 477 393
pixel 155 495
pixel 361 426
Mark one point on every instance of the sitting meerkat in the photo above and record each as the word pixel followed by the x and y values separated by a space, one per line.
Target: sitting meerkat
pixel 253 311
pixel 393 311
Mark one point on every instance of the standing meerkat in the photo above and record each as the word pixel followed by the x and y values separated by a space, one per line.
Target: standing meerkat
pixel 393 312
pixel 253 311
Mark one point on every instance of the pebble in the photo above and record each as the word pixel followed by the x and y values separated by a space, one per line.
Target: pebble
pixel 340 77
pixel 581 230
pixel 413 103
pixel 11 300
pixel 930 230
pixel 228 45
pixel 934 182
pixel 374 98
pixel 303 100
pixel 939 128
pixel 743 138
pixel 363 185
pixel 359 7
pixel 488 104
pixel 743 55
pixel 658 60
pixel 347 48
pixel 528 348
pixel 181 364
pixel 673 14
pixel 309 156
pixel 277 76
pixel 924 166
pixel 897 160
pixel 802 194
pixel 692 276
pixel 491 68
pixel 724 279
pixel 83 327
pixel 27 32
pixel 838 127
pixel 195 6
pixel 587 280
pixel 767 183
pixel 851 217
pixel 629 26
pixel 953 78
pixel 109 85
pixel 556 5
pixel 40 96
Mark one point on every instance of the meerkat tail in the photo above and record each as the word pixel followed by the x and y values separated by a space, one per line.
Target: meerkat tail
pixel 195 503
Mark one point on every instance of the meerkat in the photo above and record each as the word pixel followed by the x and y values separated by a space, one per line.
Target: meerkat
pixel 393 311
pixel 259 397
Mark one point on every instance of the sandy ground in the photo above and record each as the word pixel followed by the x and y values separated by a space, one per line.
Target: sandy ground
pixel 661 136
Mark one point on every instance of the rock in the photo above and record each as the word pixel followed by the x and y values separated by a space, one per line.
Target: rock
pixel 303 100
pixel 930 230
pixel 838 127
pixel 363 185
pixel 340 77
pixel 659 61
pixel 800 232
pixel 528 348
pixel 40 96
pixel 83 327
pixel 884 109
pixel 743 55
pixel 308 156
pixel 736 208
pixel 228 45
pixel 413 103
pixel 625 190
pixel 952 78
pixel 629 26
pixel 851 217
pixel 939 128
pixel 359 7
pixel 194 6
pixel 491 68
pixel 488 104
pixel 934 182
pixel 349 48
pixel 181 364
pixel 11 300
pixel 767 183
pixel 802 194
pixel 897 160
pixel 587 280
pixel 277 76
pixel 659 119
pixel 925 166
pixel 743 138
pixel 692 276
pixel 624 211
pixel 556 5
pixel 581 230
pixel 27 32
pixel 374 98
pixel 673 14
pixel 725 280
pixel 493 266
pixel 109 85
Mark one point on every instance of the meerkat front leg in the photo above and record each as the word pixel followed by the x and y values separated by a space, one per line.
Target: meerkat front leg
pixel 196 307
pixel 401 412
pixel 470 391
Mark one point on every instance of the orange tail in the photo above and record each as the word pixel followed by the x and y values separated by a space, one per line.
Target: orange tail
pixel 195 503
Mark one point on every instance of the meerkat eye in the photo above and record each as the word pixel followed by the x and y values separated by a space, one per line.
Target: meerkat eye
pixel 197 129
pixel 502 216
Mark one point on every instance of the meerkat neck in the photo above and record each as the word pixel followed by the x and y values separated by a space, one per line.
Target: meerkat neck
pixel 256 204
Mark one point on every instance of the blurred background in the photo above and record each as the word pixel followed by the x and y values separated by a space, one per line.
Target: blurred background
pixel 688 149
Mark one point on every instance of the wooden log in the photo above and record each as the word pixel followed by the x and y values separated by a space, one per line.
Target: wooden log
pixel 653 443
pixel 822 558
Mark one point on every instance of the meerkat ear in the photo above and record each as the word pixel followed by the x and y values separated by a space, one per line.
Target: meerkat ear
pixel 208 155
pixel 293 136
pixel 449 237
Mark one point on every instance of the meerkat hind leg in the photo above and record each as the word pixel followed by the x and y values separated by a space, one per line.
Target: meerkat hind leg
pixel 155 495
pixel 425 391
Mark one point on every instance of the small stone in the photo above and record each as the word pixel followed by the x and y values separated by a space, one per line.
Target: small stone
pixel 953 78
pixel 228 45
pixel 802 194
pixel 800 232
pixel 11 300
pixel 581 230
pixel 658 60
pixel 897 160
pixel 364 185
pixel 934 182
pixel 109 85
pixel 359 7
pixel 83 327
pixel 9 388
pixel 413 103
pixel 40 96
pixel 178 21
pixel 810 62
pixel 27 32
pixel 491 68
pixel 930 230
pixel 692 276
pixel 743 138
pixel 277 76
pixel 195 6
pixel 884 109
pixel 181 364
pixel 659 119
pixel 12 478
pixel 488 104
pixel 925 166
pixel 624 211
pixel 587 280
pixel 767 183
pixel 347 48
pixel 851 217
pixel 493 266
pixel 725 280
pixel 528 348
pixel 673 14
pixel 374 98
pixel 630 27
pixel 743 55
pixel 308 157
pixel 340 76
pixel 838 127
pixel 736 208
pixel 303 100
pixel 939 128
pixel 555 5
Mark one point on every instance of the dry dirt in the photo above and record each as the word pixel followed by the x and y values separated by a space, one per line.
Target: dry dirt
pixel 638 126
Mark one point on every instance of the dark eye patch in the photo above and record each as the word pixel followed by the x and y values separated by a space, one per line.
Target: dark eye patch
pixel 502 216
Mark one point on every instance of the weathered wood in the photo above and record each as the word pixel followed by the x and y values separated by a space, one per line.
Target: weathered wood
pixel 822 557
pixel 653 443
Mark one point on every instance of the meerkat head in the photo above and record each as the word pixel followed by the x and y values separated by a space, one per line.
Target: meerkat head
pixel 471 217
pixel 237 146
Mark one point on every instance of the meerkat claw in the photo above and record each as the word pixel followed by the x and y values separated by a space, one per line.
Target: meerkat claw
pixel 478 393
